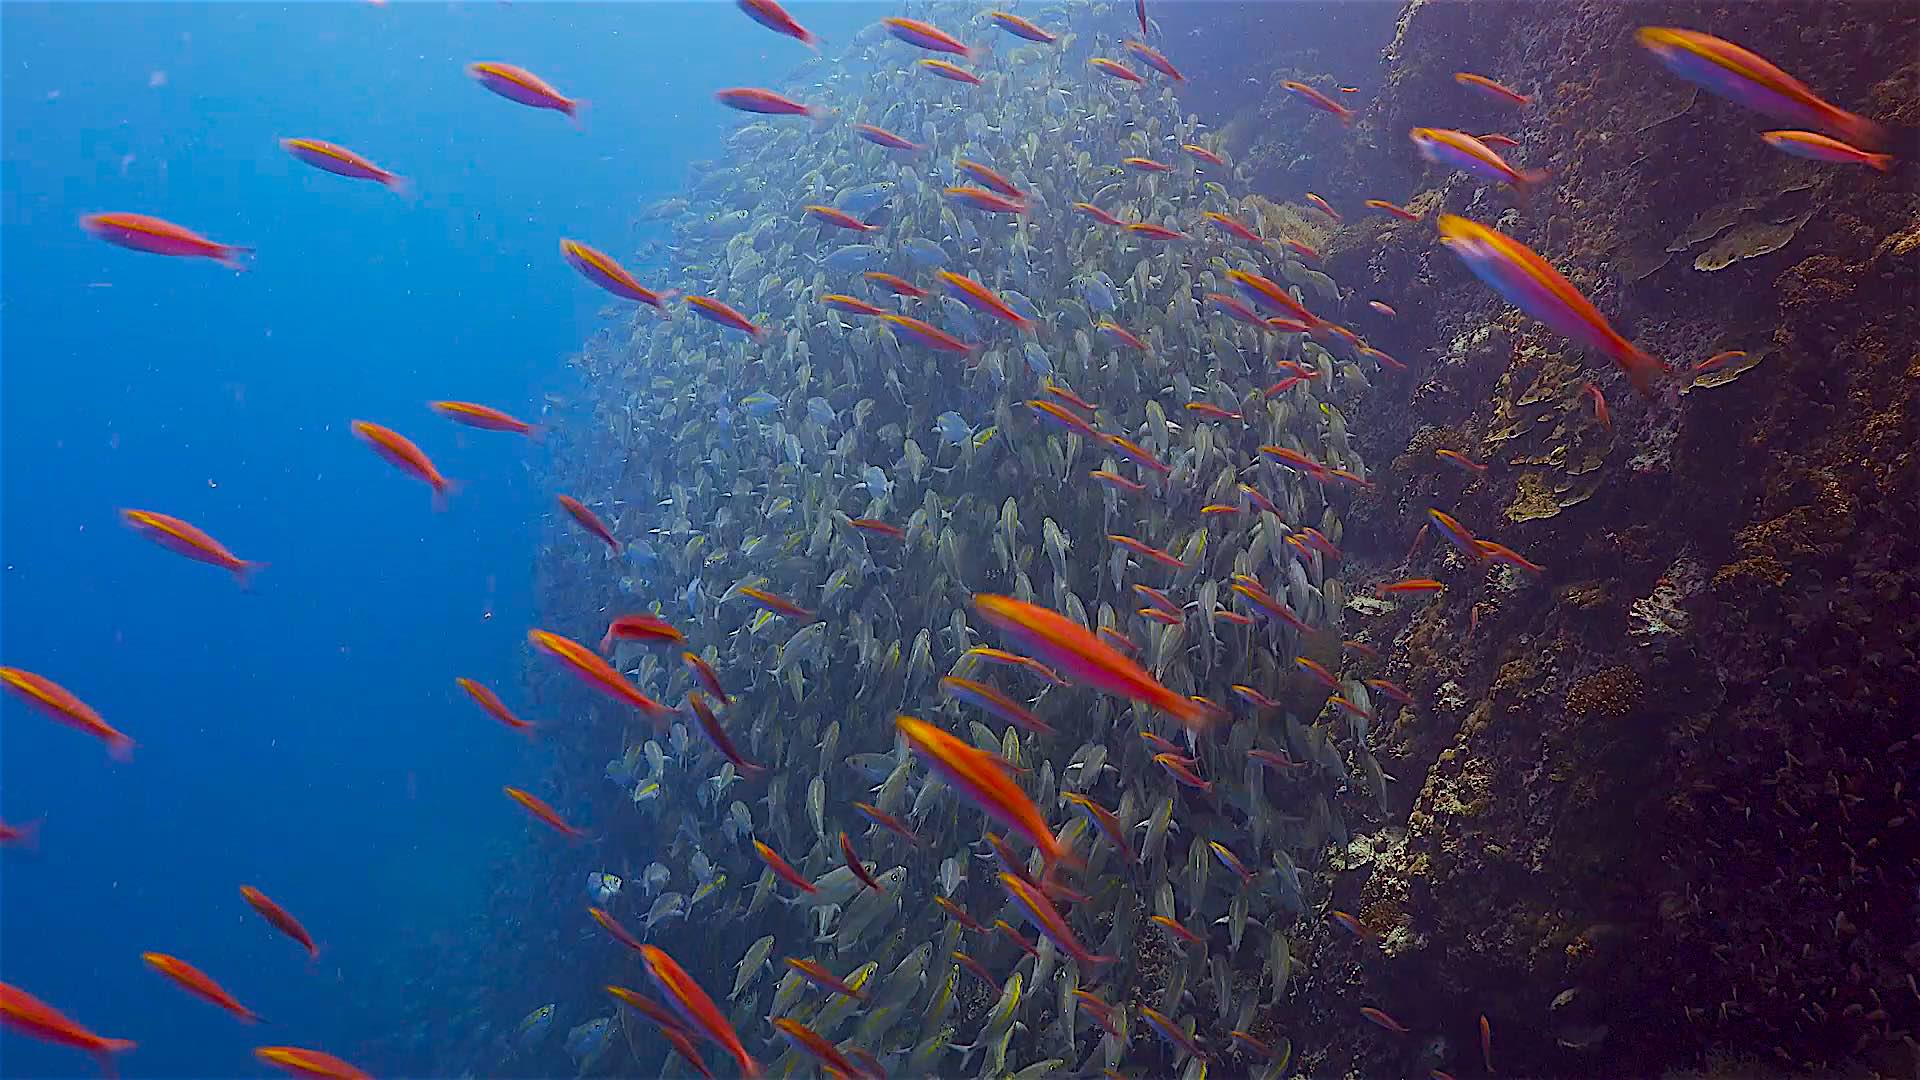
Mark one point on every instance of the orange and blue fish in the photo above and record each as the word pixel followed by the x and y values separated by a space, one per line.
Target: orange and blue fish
pixel 1203 154
pixel 36 1019
pixel 1082 657
pixel 771 15
pixel 198 983
pixel 318 1064
pixel 1491 89
pixel 783 868
pixel 60 704
pixel 895 283
pixel 1729 71
pixel 691 1002
pixel 1138 454
pixel 1156 232
pixel 143 232
pixel 597 673
pixel 996 702
pixel 986 782
pixel 1106 821
pixel 1817 147
pixel 601 269
pixel 1120 335
pixel 1319 100
pixel 982 299
pixel 950 71
pixel 1097 214
pixel 838 218
pixel 888 822
pixel 723 314
pixel 341 161
pixel 1395 209
pixel 494 707
pixel 280 919
pixel 992 179
pixel 777 604
pixel 486 418
pixel 645 628
pixel 1046 918
pixel 1234 226
pixel 717 735
pixel 1461 151
pixel 1019 27
pixel 1116 69
pixel 824 979
pixel 1145 164
pixel 1156 60
pixel 184 539
pixel 755 99
pixel 538 807
pixel 589 521
pixel 519 84
pixel 822 1049
pixel 1537 289
pixel 612 926
pixel 703 672
pixel 982 199
pixel 1141 547
pixel 880 136
pixel 928 36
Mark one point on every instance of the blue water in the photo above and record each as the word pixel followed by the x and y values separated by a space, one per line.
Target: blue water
pixel 306 737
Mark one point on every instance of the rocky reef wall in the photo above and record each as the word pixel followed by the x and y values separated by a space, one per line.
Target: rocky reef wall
pixel 1659 804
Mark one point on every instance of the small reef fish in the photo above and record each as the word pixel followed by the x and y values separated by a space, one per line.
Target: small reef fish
pixel 60 704
pixel 1490 89
pixel 1068 648
pixel 720 313
pixel 341 161
pixel 36 1019
pixel 1744 78
pixel 299 1062
pixel 983 778
pixel 778 605
pixel 755 99
pixel 519 84
pixel 775 18
pixel 1116 69
pixel 539 809
pixel 927 36
pixel 600 268
pixel 1155 59
pixel 597 673
pixel 197 982
pixel 645 629
pixel 949 70
pixel 1019 27
pixel 880 136
pixel 838 218
pixel 408 458
pixel 1395 209
pixel 490 701
pixel 181 538
pixel 589 521
pixel 1538 290
pixel 142 232
pixel 280 919
pixel 1319 100
pixel 1818 147
pixel 486 418
pixel 1459 150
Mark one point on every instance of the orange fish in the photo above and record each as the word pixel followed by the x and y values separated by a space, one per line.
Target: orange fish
pixel 1501 553
pixel 589 521
pixel 755 99
pixel 141 232
pixel 707 677
pixel 184 539
pixel 888 822
pixel 1098 1008
pixel 1818 147
pixel 491 702
pixel 60 704
pixel 519 84
pixel 771 15
pixel 1599 405
pixel 1065 416
pixel 1116 69
pixel 928 36
pixel 880 136
pixel 1384 1020
pixel 280 919
pixel 982 199
pixel 992 179
pixel 32 1017
pixel 875 525
pixel 1004 657
pixel 1047 919
pixel 996 702
pixel 1156 60
pixel 1486 1043
pixel 1234 226
pixel 1499 141
pixel 695 1006
pixel 1457 458
pixel 823 978
pixel 538 808
pixel 1324 206
pixel 408 458
pixel 1731 72
pixel 486 418
pixel 1080 656
pixel 974 967
pixel 1115 480
pixel 298 1062
pixel 1410 586
pixel 851 304
pixel 982 299
pixel 646 1006
pixel 1097 214
pixel 895 283
pixel 1537 289
pixel 716 311
pixel 612 926
pixel 1019 27
pixel 341 161
pixel 1459 150
pixel 1718 360
pixel 1006 928
pixel 717 735
pixel 1203 154
pixel 1174 928
pixel 1490 88
pixel 1390 690
pixel 1120 334
pixel 1393 208
pixel 597 673
pixel 1382 308
pixel 642 628
pixel 1318 671
pixel 601 269
pixel 926 334
pixel 1140 547
pixel 983 778
pixel 1319 100
pixel 959 914
pixel 858 867
pixel 1270 295
pixel 196 981
pixel 1156 232
pixel 1138 454
pixel 1069 396
pixel 1304 250
pixel 1146 164
pixel 777 605
pixel 783 868
pixel 829 1055
pixel 838 218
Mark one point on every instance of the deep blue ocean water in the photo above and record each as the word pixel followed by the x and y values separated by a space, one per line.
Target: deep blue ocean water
pixel 307 737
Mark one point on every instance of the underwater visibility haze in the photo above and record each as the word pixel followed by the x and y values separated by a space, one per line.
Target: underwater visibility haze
pixel 923 539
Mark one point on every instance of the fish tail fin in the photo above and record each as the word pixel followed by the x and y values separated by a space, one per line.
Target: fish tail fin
pixel 808 38
pixel 1528 181
pixel 108 1048
pixel 400 186
pixel 231 257
pixel 1859 131
pixel 573 109
pixel 1643 369
pixel 1882 162
pixel 537 433
pixel 821 118
pixel 120 748
pixel 442 492
pixel 243 573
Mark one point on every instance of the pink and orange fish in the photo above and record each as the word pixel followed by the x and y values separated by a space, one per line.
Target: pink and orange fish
pixel 143 232
pixel 519 84
pixel 341 161
pixel 183 539
pixel 1080 656
pixel 58 702
pixel 198 983
pixel 771 15
pixel 601 269
pixel 486 418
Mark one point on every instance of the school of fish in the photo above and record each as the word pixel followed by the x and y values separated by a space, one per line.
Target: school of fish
pixel 964 495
